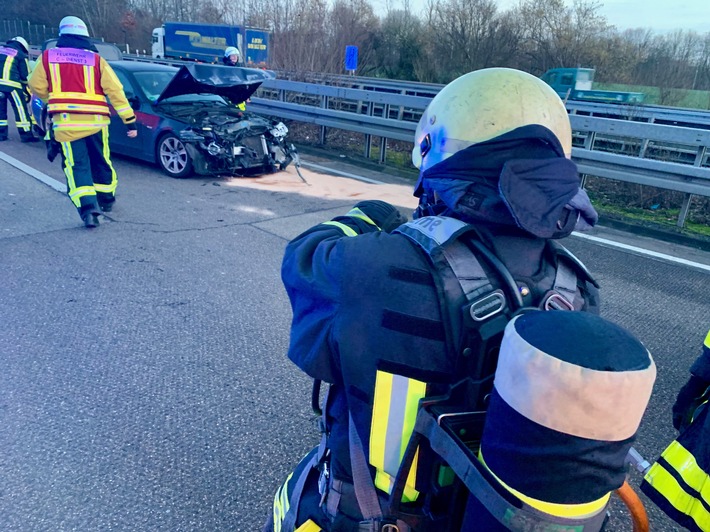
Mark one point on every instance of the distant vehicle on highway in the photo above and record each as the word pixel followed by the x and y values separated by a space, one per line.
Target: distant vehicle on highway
pixel 188 121
pixel 576 84
pixel 193 41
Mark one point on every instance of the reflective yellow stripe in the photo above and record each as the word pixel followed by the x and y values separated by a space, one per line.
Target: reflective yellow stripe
pixel 357 213
pixel 281 504
pixel 706 343
pixel 88 80
pixel 22 122
pixel 8 67
pixel 684 463
pixel 572 511
pixel 344 228
pixel 92 97
pixel 56 77
pixel 394 413
pixel 309 526
pixel 667 486
pixel 111 187
pixel 79 121
pixel 10 83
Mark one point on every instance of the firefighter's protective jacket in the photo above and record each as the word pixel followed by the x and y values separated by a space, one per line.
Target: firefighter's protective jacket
pixel 679 482
pixel 75 82
pixel 14 67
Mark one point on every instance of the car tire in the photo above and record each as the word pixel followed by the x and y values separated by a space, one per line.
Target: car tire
pixel 172 156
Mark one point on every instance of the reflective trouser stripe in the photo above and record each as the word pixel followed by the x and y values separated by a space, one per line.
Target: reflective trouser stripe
pixel 107 188
pixel 21 112
pixel 570 511
pixel 88 168
pixel 683 483
pixel 344 228
pixel 394 414
pixel 281 504
pixel 75 193
pixel 309 526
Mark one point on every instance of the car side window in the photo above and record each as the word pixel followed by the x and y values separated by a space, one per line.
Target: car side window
pixel 127 85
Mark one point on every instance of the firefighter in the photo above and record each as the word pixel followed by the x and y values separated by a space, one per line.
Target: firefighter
pixel 231 56
pixel 367 290
pixel 14 69
pixel 678 482
pixel 75 82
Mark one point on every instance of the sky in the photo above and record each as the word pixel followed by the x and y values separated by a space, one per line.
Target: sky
pixel 662 16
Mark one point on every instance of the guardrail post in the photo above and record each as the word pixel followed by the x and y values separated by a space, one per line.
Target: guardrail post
pixel 383 150
pixel 685 207
pixel 684 210
pixel 324 105
pixel 368 137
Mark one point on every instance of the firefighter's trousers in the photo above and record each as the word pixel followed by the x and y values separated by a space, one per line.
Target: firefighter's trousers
pixel 91 179
pixel 22 121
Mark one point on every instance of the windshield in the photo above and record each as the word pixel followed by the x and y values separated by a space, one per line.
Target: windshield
pixel 154 83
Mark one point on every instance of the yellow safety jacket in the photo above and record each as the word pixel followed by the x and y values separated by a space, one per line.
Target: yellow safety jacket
pixel 13 68
pixel 75 84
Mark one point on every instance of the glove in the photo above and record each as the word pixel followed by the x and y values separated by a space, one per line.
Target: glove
pixel 386 216
pixel 688 400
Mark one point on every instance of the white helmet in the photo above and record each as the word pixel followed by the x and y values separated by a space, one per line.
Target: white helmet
pixel 231 50
pixel 485 104
pixel 73 26
pixel 22 41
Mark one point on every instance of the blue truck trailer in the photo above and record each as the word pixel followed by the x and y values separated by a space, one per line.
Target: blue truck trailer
pixel 192 41
pixel 576 84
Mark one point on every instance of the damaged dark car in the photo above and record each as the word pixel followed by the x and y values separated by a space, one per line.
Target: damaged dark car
pixel 189 120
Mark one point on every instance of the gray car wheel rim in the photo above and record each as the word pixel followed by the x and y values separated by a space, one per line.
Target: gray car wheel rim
pixel 173 155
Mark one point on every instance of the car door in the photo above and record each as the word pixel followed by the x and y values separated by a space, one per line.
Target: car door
pixel 118 139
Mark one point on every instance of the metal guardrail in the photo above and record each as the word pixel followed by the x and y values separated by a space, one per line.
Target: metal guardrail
pixel 369 112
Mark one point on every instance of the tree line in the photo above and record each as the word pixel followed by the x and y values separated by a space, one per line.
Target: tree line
pixel 449 38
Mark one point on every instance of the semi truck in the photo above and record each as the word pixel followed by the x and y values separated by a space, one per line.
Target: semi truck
pixel 576 84
pixel 206 43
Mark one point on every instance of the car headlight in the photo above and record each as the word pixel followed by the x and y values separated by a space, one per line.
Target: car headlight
pixel 279 130
pixel 190 135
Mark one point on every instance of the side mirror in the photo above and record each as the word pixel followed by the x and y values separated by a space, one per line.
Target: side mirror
pixel 135 102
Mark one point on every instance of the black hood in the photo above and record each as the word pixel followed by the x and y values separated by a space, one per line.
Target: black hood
pixel 235 83
pixel 76 41
pixel 519 179
pixel 15 45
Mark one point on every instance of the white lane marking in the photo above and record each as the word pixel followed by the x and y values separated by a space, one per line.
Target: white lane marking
pixel 344 174
pixel 641 251
pixel 44 178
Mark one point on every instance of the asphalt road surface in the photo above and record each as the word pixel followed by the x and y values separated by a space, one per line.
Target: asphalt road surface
pixel 143 377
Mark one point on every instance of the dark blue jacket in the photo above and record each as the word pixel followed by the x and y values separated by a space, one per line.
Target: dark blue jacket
pixel 369 302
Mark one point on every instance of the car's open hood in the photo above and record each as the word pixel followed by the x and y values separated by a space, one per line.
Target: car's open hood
pixel 235 83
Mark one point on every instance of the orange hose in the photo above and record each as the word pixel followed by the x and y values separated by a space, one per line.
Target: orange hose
pixel 638 513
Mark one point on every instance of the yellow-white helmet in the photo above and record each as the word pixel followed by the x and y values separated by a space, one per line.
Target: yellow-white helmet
pixel 485 104
pixel 22 42
pixel 231 50
pixel 73 26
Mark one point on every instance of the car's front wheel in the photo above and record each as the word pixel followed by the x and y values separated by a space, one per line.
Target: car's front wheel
pixel 172 156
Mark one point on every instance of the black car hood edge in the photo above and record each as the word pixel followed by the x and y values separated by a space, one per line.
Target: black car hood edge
pixel 235 83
